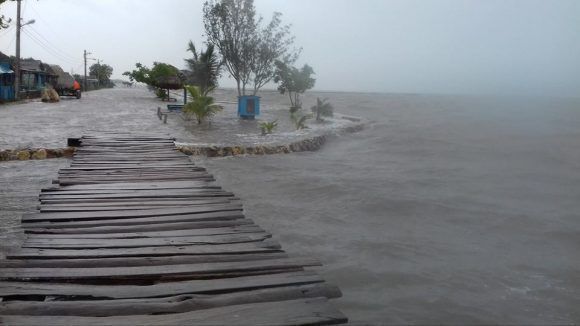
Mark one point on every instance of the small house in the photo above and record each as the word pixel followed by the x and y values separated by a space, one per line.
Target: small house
pixel 6 79
pixel 33 77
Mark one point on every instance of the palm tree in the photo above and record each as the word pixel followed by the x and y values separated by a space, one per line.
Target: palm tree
pixel 322 108
pixel 204 68
pixel 201 106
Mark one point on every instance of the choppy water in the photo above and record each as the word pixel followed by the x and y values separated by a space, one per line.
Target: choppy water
pixel 451 210
pixel 446 210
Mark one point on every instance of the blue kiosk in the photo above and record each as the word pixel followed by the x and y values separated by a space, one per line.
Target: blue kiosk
pixel 248 106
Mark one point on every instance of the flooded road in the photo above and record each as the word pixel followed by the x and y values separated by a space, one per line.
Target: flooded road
pixel 37 124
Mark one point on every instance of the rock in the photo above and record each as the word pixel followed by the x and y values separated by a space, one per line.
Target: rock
pixel 68 152
pixel 212 151
pixel 53 152
pixel 5 155
pixel 39 154
pixel 186 150
pixel 23 155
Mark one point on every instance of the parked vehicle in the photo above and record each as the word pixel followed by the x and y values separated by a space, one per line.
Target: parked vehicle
pixel 65 84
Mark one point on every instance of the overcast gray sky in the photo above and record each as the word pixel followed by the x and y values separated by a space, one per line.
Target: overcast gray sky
pixel 414 46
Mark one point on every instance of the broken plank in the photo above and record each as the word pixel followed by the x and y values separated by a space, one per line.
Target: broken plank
pixel 292 312
pixel 166 305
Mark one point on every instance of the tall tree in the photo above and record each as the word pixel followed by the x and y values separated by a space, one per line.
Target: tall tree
pixel 204 68
pixel 102 72
pixel 248 50
pixel 293 81
pixel 154 76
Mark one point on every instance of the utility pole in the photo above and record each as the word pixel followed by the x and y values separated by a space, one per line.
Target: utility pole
pixel 19 26
pixel 17 68
pixel 85 80
pixel 98 72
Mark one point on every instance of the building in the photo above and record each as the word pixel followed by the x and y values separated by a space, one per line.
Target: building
pixel 33 77
pixel 6 79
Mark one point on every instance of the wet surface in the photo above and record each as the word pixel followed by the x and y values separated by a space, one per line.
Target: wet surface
pixel 445 210
pixel 20 185
pixel 37 124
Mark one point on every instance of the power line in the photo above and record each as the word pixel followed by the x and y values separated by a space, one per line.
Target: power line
pixel 49 44
pixel 48 49
pixel 10 43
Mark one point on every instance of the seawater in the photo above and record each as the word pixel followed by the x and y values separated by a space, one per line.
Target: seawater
pixel 444 209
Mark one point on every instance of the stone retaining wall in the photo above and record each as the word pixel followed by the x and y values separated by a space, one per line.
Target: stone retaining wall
pixel 310 144
pixel 303 145
pixel 24 154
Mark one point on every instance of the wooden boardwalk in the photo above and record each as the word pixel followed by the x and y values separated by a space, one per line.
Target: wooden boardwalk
pixel 136 234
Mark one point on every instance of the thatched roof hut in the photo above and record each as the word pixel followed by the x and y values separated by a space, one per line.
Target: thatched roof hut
pixel 169 82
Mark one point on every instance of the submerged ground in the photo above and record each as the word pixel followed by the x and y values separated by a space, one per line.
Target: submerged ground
pixel 444 210
pixel 37 124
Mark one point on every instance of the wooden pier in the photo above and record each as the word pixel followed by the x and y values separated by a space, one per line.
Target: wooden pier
pixel 136 234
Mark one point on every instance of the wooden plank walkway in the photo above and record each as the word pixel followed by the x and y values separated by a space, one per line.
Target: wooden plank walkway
pixel 136 234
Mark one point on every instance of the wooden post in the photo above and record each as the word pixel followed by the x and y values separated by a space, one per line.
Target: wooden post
pixel 184 96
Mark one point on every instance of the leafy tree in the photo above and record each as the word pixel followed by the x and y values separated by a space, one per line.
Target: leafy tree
pixel 322 108
pixel 141 75
pixel 204 68
pixel 293 81
pixel 102 72
pixel 248 50
pixel 4 21
pixel 154 76
pixel 201 106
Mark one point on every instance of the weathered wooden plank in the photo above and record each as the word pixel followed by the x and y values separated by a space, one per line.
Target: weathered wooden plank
pixel 243 283
pixel 134 186
pixel 81 208
pixel 141 194
pixel 167 305
pixel 292 312
pixel 129 214
pixel 237 248
pixel 140 273
pixel 157 221
pixel 80 229
pixel 130 204
pixel 145 242
pixel 137 202
pixel 136 261
pixel 181 232
pixel 73 181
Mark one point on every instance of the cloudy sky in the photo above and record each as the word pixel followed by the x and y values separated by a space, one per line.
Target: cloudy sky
pixel 412 46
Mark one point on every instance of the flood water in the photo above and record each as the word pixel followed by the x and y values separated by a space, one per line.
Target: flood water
pixel 443 210
pixel 454 210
